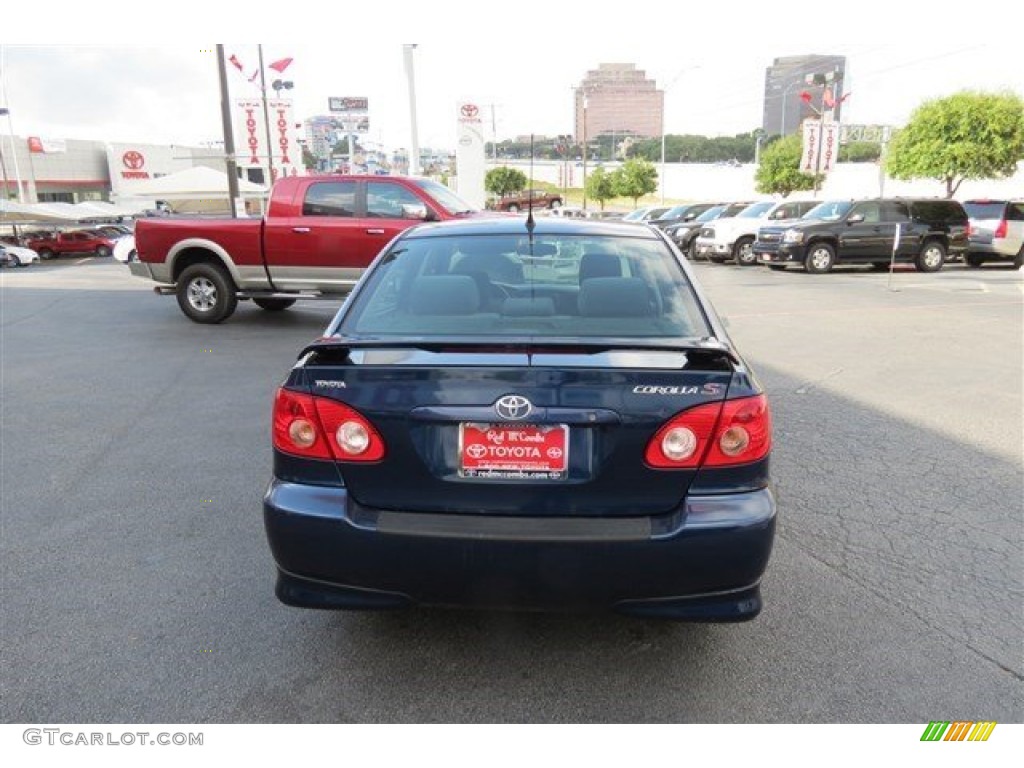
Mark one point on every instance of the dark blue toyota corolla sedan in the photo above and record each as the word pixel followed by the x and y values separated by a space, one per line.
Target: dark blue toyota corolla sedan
pixel 518 414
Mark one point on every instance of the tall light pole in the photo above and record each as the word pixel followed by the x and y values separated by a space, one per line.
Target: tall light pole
pixel 229 139
pixel 584 150
pixel 410 76
pixel 664 91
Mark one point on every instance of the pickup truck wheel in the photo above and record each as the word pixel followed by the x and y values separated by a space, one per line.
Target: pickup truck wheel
pixel 1018 260
pixel 45 253
pixel 820 258
pixel 103 251
pixel 513 208
pixel 743 252
pixel 273 305
pixel 691 250
pixel 555 204
pixel 205 294
pixel 931 258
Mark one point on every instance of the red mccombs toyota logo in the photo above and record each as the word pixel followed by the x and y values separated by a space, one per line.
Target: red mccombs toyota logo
pixel 133 160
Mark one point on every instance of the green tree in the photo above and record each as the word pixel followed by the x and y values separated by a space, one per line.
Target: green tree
pixel 969 135
pixel 502 180
pixel 600 186
pixel 635 178
pixel 779 171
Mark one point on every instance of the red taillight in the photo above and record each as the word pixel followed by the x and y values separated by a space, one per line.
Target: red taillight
pixel 1000 230
pixel 713 435
pixel 320 428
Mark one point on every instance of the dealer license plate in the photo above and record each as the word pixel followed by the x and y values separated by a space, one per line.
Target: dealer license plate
pixel 514 451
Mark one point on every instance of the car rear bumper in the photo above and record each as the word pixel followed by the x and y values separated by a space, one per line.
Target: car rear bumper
pixel 703 561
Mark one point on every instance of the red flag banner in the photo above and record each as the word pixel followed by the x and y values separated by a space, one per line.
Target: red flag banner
pixel 235 62
pixel 280 65
pixel 828 99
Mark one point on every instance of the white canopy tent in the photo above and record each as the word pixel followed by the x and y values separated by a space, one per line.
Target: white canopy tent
pixel 198 190
pixel 35 213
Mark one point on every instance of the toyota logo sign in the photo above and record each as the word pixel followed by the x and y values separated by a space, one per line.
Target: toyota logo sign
pixel 133 160
pixel 470 110
pixel 513 407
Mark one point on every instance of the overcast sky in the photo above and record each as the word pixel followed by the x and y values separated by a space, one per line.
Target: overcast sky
pixel 524 58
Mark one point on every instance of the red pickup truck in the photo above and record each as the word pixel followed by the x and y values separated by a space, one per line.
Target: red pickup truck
pixel 318 236
pixel 65 243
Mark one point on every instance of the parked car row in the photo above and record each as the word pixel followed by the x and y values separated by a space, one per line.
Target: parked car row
pixel 817 236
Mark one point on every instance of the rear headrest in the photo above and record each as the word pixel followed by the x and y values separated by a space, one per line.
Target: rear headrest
pixel 444 295
pixel 615 297
pixel 599 265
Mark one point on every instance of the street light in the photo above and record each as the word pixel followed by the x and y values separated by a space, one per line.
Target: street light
pixel 672 82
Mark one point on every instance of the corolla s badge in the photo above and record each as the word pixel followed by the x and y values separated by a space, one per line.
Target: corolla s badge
pixel 513 407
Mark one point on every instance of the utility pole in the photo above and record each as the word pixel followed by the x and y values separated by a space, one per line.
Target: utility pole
pixel 266 120
pixel 229 139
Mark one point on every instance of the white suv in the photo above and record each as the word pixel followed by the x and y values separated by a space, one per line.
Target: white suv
pixel 733 238
pixel 996 231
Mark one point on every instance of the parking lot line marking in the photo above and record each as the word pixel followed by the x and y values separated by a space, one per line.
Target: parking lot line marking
pixel 82 261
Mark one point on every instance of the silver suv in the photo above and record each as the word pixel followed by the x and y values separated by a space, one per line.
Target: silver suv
pixel 996 232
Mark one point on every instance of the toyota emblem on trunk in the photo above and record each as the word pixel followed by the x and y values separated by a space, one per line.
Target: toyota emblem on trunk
pixel 513 407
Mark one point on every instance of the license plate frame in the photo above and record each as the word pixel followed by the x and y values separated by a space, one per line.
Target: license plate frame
pixel 513 451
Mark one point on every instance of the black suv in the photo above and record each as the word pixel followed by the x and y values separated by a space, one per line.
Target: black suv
pixel 930 231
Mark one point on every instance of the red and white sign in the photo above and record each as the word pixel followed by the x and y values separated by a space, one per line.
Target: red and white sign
pixel 820 147
pixel 469 154
pixel 133 161
pixel 514 451
pixel 809 156
pixel 829 146
pixel 251 143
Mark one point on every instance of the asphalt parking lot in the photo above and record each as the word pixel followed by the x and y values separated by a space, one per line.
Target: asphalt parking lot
pixel 138 586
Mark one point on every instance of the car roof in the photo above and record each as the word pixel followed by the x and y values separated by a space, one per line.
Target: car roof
pixel 544 225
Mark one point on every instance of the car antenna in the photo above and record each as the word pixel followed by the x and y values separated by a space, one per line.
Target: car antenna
pixel 530 223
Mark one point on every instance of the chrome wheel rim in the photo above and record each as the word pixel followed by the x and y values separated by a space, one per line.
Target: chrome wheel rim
pixel 746 254
pixel 202 294
pixel 820 259
pixel 932 257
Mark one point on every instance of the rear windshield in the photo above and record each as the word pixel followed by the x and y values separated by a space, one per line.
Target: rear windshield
pixel 505 286
pixel 985 211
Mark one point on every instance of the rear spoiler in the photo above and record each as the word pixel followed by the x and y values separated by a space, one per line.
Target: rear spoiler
pixel 709 347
